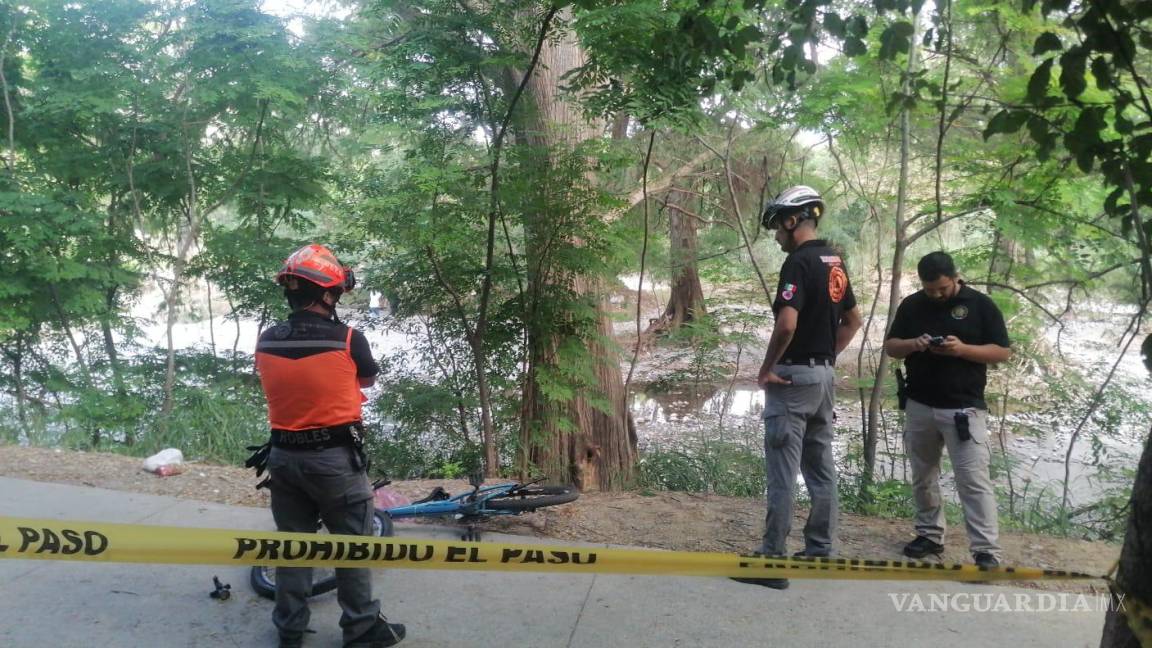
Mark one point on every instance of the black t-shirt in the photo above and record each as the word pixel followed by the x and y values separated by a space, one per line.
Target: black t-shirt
pixel 814 282
pixel 945 381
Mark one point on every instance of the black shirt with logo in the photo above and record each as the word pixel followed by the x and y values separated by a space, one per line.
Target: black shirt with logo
pixel 814 282
pixel 944 381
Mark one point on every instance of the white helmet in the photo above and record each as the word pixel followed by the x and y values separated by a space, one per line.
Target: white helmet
pixel 791 200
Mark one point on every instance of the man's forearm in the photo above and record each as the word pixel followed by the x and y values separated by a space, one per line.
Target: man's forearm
pixel 985 353
pixel 899 348
pixel 777 344
pixel 844 334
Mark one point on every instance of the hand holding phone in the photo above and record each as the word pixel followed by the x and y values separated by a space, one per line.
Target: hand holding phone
pixel 936 340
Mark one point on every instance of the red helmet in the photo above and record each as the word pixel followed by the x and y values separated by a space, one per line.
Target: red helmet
pixel 317 264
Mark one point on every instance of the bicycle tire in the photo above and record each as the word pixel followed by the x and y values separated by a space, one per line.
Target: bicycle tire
pixel 263 581
pixel 532 497
pixel 263 578
pixel 382 526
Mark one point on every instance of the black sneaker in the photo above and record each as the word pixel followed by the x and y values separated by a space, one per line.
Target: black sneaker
pixel 921 547
pixel 803 553
pixel 774 583
pixel 379 636
pixel 985 560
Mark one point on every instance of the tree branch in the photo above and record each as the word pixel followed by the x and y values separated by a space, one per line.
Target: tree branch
pixel 643 259
pixel 494 191
pixel 456 299
pixel 667 180
pixel 927 229
pixel 10 161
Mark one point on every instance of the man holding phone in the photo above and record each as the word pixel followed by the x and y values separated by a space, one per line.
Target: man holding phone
pixel 947 334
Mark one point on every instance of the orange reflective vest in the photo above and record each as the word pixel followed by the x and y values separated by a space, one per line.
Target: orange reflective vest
pixel 309 383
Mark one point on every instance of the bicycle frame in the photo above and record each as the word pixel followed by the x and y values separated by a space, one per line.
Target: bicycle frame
pixel 464 504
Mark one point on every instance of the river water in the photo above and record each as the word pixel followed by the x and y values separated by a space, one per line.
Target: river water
pixel 1035 438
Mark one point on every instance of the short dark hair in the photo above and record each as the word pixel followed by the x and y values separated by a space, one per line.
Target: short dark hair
pixel 935 265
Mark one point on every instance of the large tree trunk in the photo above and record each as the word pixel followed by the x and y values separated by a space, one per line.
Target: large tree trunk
pixel 1134 578
pixel 686 300
pixel 571 440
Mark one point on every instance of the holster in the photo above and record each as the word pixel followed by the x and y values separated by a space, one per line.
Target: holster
pixel 359 454
pixel 901 390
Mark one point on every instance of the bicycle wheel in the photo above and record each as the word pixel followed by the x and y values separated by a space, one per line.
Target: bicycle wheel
pixel 382 525
pixel 263 580
pixel 531 498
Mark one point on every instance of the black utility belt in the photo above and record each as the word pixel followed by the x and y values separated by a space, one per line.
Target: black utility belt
pixel 318 438
pixel 811 362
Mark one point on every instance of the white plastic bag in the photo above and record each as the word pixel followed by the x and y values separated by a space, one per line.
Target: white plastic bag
pixel 166 457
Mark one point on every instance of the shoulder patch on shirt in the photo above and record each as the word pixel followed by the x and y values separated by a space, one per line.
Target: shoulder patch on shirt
pixel 837 283
pixel 831 260
pixel 787 291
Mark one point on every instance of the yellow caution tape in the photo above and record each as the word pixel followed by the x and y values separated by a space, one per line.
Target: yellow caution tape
pixel 24 538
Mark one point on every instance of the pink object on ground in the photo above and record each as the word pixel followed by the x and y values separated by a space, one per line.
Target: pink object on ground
pixel 387 498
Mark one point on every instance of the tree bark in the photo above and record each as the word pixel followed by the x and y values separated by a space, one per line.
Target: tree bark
pixel 1134 578
pixel 686 300
pixel 570 441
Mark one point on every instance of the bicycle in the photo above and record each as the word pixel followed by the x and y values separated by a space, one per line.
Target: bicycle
pixel 481 502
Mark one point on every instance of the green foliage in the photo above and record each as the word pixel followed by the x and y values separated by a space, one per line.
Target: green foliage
pixel 140 125
pixel 729 463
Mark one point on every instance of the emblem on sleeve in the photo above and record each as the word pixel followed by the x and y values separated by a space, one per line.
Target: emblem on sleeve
pixel 788 291
pixel 837 283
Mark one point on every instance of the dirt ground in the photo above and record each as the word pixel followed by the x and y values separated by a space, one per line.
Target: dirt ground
pixel 667 520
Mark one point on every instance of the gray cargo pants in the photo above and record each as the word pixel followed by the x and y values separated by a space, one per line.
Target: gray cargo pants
pixel 798 438
pixel 308 486
pixel 927 430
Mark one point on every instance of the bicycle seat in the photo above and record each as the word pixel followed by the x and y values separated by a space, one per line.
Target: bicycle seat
pixel 438 494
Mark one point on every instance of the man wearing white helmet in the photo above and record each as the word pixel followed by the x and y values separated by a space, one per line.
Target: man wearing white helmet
pixel 816 318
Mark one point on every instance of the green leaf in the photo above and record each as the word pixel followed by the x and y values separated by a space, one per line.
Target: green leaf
pixel 1042 134
pixel 834 24
pixel 1005 121
pixel 854 47
pixel 1142 146
pixel 1111 203
pixel 1084 160
pixel 1102 72
pixel 1072 64
pixel 1047 42
pixel 1039 82
pixel 896 39
pixel 858 26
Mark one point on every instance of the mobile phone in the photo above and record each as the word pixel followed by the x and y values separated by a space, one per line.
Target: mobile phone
pixel 936 340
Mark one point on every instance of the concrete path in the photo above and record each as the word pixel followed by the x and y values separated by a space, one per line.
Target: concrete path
pixel 113 605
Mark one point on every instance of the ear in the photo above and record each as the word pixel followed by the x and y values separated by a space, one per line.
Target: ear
pixel 330 298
